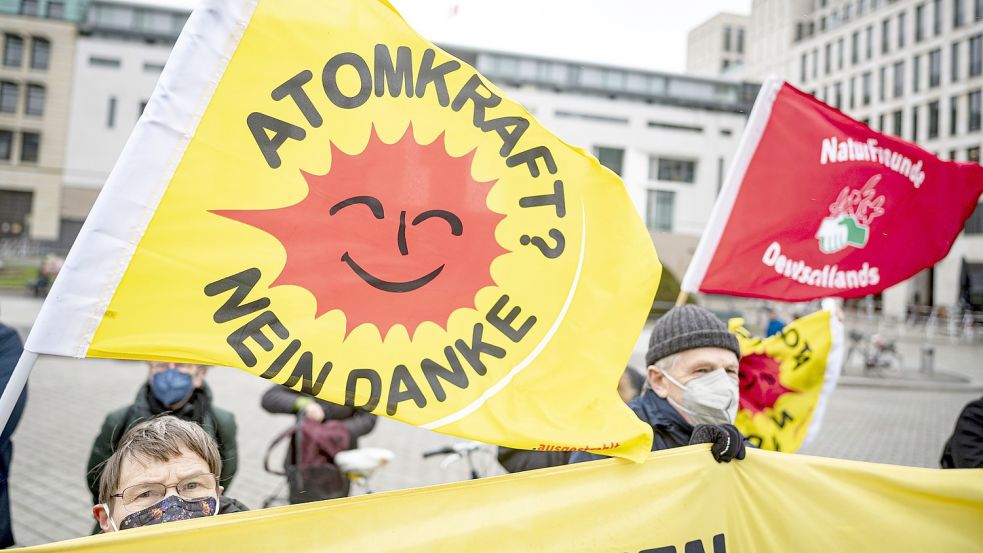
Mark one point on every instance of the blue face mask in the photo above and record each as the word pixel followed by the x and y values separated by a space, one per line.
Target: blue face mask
pixel 172 386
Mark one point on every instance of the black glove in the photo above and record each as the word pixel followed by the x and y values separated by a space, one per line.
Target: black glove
pixel 728 443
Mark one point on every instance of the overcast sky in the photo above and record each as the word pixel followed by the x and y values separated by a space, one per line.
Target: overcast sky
pixel 649 34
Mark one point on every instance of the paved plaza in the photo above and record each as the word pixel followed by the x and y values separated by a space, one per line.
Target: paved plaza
pixel 904 425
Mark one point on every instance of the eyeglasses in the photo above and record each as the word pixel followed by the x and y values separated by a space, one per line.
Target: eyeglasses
pixel 141 496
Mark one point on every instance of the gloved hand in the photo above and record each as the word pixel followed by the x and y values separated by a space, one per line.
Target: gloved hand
pixel 728 443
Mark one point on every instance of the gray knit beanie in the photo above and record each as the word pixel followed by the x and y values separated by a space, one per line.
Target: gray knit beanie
pixel 689 327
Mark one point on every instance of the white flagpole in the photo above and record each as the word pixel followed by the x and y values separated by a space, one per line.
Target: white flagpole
pixel 15 385
pixel 757 120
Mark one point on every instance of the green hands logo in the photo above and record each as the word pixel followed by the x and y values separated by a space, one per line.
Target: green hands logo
pixel 836 233
pixel 850 216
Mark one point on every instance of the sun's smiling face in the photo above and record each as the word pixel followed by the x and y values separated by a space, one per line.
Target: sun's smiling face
pixel 398 234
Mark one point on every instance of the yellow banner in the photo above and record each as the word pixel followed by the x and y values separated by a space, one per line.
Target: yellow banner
pixel 785 380
pixel 364 217
pixel 679 500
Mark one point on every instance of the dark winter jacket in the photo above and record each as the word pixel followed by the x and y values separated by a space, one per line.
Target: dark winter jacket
pixel 280 399
pixel 518 460
pixel 669 428
pixel 218 423
pixel 964 450
pixel 10 351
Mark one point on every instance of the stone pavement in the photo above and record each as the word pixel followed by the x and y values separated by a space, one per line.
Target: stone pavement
pixel 69 398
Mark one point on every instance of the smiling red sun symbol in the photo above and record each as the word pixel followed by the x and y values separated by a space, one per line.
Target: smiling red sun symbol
pixel 760 383
pixel 397 234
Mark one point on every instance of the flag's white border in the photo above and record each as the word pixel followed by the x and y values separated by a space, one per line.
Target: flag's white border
pixel 96 264
pixel 757 120
pixel 834 367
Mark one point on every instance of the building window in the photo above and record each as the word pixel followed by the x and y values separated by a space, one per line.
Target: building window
pixel 916 73
pixel 935 68
pixel 976 55
pixel 937 17
pixel 958 15
pixel 920 22
pixel 40 53
pixel 672 170
pixel 29 7
pixel 111 113
pixel 933 119
pixel 13 50
pixel 150 67
pixel 975 109
pixel 953 155
pixel 898 117
pixel 828 58
pixel 740 40
pixel 914 123
pixel 973 154
pixel 898 79
pixel 720 174
pixel 853 92
pixel 954 62
pixel 56 10
pixel 838 95
pixel 882 81
pixel 30 146
pixel 802 68
pixel 726 39
pixel 612 158
pixel 881 126
pixel 953 115
pixel 902 21
pixel 143 108
pixel 865 88
pixel 35 100
pixel 6 144
pixel 885 36
pixel 659 206
pixel 815 63
pixel 839 53
pixel 978 10
pixel 97 61
pixel 8 97
pixel 855 48
pixel 870 41
pixel 974 225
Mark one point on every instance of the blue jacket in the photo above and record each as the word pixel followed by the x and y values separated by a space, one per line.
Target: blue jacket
pixel 669 428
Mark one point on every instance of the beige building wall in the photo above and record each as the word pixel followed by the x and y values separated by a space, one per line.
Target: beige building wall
pixel 717 46
pixel 43 177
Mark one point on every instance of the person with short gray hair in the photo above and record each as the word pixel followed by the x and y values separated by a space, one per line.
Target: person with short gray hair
pixel 165 469
pixel 692 390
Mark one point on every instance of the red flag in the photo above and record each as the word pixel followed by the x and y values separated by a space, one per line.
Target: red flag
pixel 817 204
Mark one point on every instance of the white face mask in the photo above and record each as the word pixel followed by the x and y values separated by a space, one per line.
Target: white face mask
pixel 710 399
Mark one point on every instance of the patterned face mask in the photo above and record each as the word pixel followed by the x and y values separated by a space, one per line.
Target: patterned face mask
pixel 169 509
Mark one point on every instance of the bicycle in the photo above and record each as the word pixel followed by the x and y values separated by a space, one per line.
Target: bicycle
pixel 456 453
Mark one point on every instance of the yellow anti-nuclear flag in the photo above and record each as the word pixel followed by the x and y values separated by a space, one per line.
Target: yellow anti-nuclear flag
pixel 786 380
pixel 680 500
pixel 319 196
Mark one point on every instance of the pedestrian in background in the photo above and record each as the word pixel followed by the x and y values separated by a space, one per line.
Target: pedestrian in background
pixel 178 389
pixel 10 351
pixel 323 429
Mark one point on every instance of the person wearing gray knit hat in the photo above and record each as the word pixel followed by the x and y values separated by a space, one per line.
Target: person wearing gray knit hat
pixel 692 385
